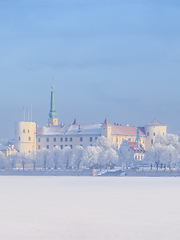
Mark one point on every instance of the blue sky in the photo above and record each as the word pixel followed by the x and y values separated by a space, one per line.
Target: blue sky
pixel 109 58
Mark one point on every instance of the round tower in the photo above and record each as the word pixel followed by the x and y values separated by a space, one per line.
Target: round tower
pixel 25 136
pixel 152 130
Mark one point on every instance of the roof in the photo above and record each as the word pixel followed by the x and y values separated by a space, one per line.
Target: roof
pixel 105 123
pixel 75 122
pixel 84 129
pixel 52 130
pixel 134 147
pixel 126 130
pixel 155 123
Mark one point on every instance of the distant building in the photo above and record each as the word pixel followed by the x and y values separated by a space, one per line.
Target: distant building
pixel 25 136
pixel 54 134
pixel 7 148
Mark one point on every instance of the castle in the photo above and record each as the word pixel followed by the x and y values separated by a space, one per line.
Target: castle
pixel 28 138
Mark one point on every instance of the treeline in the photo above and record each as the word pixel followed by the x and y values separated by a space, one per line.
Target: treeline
pixel 102 155
pixel 164 153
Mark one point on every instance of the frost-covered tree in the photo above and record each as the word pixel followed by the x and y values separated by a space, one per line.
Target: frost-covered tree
pixel 124 154
pixel 22 159
pixel 2 159
pixel 90 158
pixel 169 156
pixel 66 156
pixel 77 156
pixel 44 156
pixel 164 152
pixel 55 156
pixel 12 160
pixel 105 143
pixel 33 158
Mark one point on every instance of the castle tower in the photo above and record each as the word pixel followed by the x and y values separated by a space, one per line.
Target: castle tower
pixel 52 120
pixel 152 130
pixel 106 129
pixel 25 136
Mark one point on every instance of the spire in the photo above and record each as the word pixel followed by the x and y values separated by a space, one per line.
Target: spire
pixel 105 123
pixel 75 122
pixel 52 120
pixel 52 113
pixel 138 140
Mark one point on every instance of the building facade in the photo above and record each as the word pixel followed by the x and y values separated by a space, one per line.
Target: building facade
pixel 28 138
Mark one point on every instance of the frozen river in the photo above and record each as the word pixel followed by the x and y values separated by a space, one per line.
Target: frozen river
pixel 89 208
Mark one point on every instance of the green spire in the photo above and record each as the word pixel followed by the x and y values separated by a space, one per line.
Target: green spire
pixel 137 136
pixel 52 113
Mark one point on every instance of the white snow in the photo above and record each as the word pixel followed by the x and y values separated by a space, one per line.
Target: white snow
pixel 89 208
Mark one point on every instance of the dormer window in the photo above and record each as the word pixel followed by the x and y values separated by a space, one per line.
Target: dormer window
pixel 23 130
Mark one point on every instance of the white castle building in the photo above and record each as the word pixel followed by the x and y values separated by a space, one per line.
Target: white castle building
pixel 28 138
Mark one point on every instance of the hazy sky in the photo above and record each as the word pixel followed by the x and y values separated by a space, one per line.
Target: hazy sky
pixel 109 58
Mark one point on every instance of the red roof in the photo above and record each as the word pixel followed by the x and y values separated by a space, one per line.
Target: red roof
pixel 105 123
pixel 75 122
pixel 125 130
pixel 133 146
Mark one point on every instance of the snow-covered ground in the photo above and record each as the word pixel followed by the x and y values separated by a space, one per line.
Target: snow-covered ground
pixel 89 208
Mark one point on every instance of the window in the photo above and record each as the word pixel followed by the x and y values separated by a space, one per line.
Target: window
pixel 61 146
pixel 29 151
pixel 81 139
pixel 81 145
pixel 39 140
pixel 29 138
pixel 28 131
pixel 154 134
pixel 65 145
pixel 90 139
pixel 54 139
pixel 135 157
pixel 19 139
pixel 39 146
pixel 96 138
pixel 23 130
pixel 91 145
pixel 71 146
pixel 65 139
pixel 70 139
pixel 147 133
pixel 129 139
pixel 61 139
pixel 151 141
pixel 133 139
pixel 116 139
pixel 54 145
pixel 141 157
pixel 47 139
pixel 47 146
pixel 138 157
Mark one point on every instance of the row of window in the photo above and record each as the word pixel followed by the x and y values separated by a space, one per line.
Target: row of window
pixel 154 134
pixel 138 157
pixel 28 138
pixel 61 146
pixel 66 139
pixel 25 131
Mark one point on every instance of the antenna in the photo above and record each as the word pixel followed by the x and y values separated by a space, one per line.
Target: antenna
pixel 31 112
pixel 52 82
pixel 24 111
pixel 28 113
